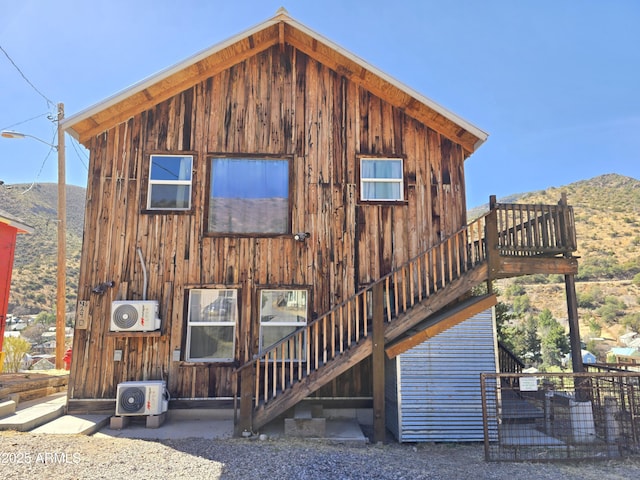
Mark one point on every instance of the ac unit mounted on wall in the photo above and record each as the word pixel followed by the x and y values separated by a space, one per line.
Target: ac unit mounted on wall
pixel 142 398
pixel 134 316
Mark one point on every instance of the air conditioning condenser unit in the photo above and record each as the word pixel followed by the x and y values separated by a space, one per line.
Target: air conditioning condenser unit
pixel 134 316
pixel 142 398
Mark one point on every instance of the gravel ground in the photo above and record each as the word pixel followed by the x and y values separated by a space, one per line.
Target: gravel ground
pixel 30 456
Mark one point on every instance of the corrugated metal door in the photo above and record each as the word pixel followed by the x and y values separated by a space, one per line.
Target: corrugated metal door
pixel 438 383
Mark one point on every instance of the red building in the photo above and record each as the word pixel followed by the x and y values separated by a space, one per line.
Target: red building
pixel 10 227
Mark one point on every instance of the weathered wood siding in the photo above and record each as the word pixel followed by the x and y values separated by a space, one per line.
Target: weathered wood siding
pixel 278 102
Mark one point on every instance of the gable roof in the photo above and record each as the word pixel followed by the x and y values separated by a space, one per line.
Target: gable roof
pixel 280 29
pixel 15 222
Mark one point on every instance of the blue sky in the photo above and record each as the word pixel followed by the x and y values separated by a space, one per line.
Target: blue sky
pixel 556 84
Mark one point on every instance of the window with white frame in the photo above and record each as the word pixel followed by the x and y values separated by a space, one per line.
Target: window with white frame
pixel 170 179
pixel 381 179
pixel 281 313
pixel 211 325
pixel 249 195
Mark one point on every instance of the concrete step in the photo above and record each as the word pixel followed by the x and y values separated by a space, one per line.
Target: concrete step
pixel 337 431
pixel 8 407
pixel 34 413
pixel 74 425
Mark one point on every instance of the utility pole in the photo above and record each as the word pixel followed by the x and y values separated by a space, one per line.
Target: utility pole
pixel 62 245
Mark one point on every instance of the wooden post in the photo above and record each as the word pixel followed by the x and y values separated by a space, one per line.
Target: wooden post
pixel 491 239
pixel 574 327
pixel 572 307
pixel 379 426
pixel 570 287
pixel 245 422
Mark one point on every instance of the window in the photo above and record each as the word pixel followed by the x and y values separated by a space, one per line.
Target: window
pixel 381 179
pixel 249 195
pixel 211 325
pixel 281 313
pixel 170 182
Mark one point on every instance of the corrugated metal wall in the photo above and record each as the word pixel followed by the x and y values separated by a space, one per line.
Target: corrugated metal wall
pixel 433 390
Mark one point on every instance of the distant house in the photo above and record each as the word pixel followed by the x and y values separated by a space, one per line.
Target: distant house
pixel 635 343
pixel 588 357
pixel 43 362
pixel 626 354
pixel 294 214
pixel 627 338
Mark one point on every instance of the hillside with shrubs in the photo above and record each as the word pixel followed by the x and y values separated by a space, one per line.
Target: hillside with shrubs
pixel 607 216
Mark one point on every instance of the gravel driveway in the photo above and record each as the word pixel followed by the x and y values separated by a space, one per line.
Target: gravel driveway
pixel 30 456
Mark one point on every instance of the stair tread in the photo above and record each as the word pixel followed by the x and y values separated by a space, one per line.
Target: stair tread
pixel 30 415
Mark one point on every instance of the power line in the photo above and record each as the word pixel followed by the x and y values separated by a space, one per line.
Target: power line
pixel 73 144
pixel 42 166
pixel 24 121
pixel 49 102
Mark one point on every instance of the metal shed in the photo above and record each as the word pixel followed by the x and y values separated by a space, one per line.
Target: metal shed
pixel 433 389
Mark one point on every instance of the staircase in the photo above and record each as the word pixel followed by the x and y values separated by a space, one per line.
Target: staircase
pixel 508 240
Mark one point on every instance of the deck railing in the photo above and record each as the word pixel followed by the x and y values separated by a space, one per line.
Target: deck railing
pixel 520 231
pixel 528 230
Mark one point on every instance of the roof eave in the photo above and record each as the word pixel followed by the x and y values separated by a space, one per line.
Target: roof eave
pixel 15 222
pixel 68 122
pixel 281 16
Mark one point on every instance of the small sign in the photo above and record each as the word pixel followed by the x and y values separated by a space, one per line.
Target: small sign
pixel 82 318
pixel 528 384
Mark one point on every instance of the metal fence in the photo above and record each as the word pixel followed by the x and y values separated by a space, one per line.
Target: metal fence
pixel 545 417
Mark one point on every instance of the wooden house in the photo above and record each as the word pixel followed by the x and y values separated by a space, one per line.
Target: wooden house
pixel 293 211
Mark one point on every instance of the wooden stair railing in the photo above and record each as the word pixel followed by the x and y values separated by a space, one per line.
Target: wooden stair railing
pixel 508 361
pixel 293 368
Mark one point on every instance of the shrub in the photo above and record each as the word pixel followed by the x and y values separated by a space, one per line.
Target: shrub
pixel 631 321
pixel 15 349
pixel 521 305
pixel 515 290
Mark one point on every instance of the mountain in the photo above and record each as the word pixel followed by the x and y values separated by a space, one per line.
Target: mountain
pixel 607 214
pixel 607 217
pixel 33 281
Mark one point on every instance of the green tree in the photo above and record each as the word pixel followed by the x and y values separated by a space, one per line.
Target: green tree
pixel 595 329
pixel 545 319
pixel 525 341
pixel 46 318
pixel 554 342
pixel 521 305
pixel 503 317
pixel 554 345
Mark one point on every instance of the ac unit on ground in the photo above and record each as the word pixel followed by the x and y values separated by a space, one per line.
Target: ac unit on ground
pixel 134 316
pixel 142 398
